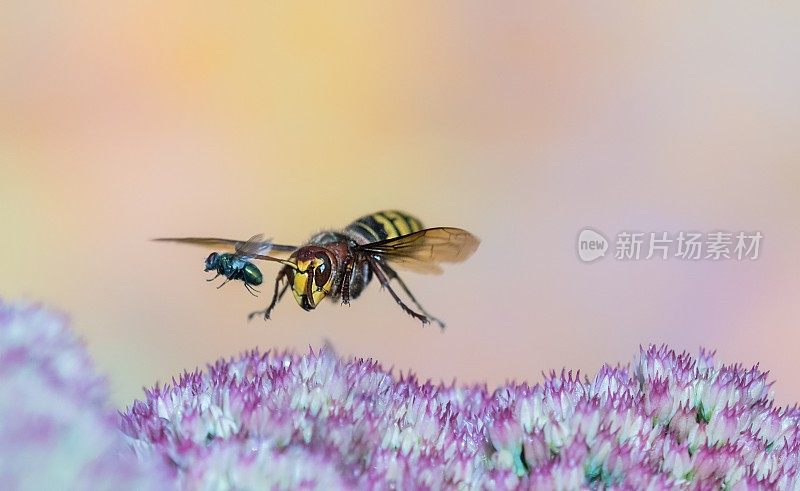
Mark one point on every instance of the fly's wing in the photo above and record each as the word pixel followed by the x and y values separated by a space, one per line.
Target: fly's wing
pixel 255 246
pixel 231 245
pixel 424 250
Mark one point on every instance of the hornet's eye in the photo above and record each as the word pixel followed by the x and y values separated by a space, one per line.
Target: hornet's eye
pixel 323 272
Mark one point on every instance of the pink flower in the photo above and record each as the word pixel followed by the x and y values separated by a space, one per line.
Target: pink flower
pixel 55 425
pixel 670 420
pixel 316 421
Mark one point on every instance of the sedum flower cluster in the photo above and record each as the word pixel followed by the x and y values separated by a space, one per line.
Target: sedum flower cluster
pixel 56 428
pixel 316 421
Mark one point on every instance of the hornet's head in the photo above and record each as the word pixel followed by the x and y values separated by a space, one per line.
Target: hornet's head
pixel 312 279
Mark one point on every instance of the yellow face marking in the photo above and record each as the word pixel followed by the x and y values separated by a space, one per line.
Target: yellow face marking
pixel 298 297
pixel 301 278
pixel 317 296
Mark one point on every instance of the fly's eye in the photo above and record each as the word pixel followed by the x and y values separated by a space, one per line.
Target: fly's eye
pixel 323 272
pixel 210 260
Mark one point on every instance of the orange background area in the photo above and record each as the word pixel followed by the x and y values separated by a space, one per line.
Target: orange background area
pixel 523 123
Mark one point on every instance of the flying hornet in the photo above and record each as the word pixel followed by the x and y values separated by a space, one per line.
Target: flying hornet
pixel 340 264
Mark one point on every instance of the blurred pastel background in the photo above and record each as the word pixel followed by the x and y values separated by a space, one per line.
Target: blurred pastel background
pixel 522 122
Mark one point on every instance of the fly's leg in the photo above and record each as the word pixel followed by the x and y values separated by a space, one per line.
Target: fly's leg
pixel 250 289
pixel 392 274
pixel 214 278
pixel 276 296
pixel 376 268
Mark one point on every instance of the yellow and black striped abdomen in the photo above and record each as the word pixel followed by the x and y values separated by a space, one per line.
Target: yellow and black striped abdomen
pixel 384 225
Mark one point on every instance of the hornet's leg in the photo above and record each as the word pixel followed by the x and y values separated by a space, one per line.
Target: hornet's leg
pixel 275 297
pixel 392 274
pixel 348 274
pixel 376 268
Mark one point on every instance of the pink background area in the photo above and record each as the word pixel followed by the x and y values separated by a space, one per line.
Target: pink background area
pixel 522 123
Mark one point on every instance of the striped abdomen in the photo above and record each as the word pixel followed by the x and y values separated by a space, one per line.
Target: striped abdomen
pixel 383 225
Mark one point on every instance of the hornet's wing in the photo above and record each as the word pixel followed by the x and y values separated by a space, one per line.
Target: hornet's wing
pixel 424 250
